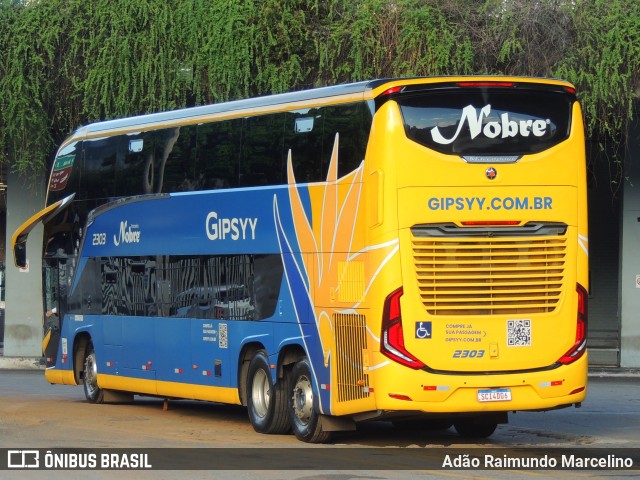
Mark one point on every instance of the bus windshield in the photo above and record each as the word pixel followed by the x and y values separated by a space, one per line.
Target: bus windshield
pixel 490 121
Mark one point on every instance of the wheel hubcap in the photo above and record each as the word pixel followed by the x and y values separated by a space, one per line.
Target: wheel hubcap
pixel 260 394
pixel 91 374
pixel 303 400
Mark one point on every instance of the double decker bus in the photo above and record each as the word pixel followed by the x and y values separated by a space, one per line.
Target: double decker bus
pixel 411 250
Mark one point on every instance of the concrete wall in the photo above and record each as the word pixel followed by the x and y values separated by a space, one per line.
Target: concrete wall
pixel 23 310
pixel 630 258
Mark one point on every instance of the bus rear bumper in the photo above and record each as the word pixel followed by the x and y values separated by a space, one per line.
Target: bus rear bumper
pixel 398 388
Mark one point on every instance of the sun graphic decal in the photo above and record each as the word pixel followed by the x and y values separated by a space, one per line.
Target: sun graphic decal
pixel 326 260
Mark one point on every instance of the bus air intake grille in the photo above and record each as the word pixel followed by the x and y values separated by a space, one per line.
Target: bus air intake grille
pixel 489 275
pixel 351 344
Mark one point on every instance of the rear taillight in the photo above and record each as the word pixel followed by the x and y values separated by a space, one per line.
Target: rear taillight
pixel 580 345
pixel 492 223
pixel 486 84
pixel 391 91
pixel 392 339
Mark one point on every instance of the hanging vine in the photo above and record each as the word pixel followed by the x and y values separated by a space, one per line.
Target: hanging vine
pixel 64 63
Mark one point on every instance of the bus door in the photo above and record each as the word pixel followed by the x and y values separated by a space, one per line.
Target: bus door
pixel 54 279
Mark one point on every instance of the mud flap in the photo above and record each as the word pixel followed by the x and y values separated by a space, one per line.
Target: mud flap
pixel 337 424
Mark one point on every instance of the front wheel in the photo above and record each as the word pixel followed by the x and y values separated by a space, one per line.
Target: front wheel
pixel 92 392
pixel 305 421
pixel 266 401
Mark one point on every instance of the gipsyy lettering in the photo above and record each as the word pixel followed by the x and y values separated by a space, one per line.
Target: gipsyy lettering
pixel 234 228
pixel 494 203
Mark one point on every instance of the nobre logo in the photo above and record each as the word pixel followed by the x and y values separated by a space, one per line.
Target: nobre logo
pixel 504 128
pixel 127 234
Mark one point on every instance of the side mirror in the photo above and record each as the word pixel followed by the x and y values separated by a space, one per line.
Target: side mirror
pixel 20 255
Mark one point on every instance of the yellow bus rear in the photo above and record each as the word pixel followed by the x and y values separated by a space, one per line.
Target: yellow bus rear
pixel 481 183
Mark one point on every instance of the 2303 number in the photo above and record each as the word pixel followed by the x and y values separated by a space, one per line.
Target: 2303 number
pixel 99 238
pixel 468 354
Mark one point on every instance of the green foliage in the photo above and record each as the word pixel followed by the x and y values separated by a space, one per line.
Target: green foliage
pixel 25 84
pixel 381 38
pixel 604 63
pixel 429 44
pixel 64 63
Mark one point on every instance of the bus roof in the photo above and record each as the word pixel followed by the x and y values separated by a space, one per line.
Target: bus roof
pixel 201 113
pixel 343 93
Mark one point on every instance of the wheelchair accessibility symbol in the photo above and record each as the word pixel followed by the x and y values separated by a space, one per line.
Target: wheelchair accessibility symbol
pixel 423 330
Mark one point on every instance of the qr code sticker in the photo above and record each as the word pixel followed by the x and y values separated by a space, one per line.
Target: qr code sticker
pixel 519 333
pixel 223 341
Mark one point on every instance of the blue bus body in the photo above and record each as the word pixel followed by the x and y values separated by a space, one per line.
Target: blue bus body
pixel 162 349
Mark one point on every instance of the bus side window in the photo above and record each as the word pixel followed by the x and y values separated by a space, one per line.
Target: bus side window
pixel 142 291
pixel 303 136
pixel 163 287
pixel 109 283
pixel 353 123
pixel 218 155
pixel 99 175
pixel 261 154
pixel 65 172
pixel 176 157
pixel 86 298
pixel 134 170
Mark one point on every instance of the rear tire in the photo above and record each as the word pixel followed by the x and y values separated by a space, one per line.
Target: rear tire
pixel 427 425
pixel 305 421
pixel 472 428
pixel 92 392
pixel 266 402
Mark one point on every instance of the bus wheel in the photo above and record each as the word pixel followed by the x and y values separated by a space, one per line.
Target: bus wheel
pixel 304 419
pixel 266 402
pixel 471 428
pixel 92 392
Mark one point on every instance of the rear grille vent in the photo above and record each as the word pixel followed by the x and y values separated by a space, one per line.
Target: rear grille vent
pixel 351 341
pixel 488 274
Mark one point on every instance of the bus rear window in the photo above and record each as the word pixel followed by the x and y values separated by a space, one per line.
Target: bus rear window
pixel 487 121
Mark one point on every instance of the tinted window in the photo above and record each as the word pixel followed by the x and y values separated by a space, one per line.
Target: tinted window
pixel 157 161
pixel 261 161
pixel 352 122
pixel 487 121
pixel 311 135
pixel 233 287
pixel 218 155
pixel 134 170
pixel 65 172
pixel 99 175
pixel 175 159
pixel 128 286
pixel 303 136
pixel 62 234
pixel 222 154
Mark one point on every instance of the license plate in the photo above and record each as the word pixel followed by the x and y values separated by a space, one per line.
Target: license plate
pixel 494 395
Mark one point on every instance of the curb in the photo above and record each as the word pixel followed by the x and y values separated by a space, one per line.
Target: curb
pixel 21 363
pixel 614 372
